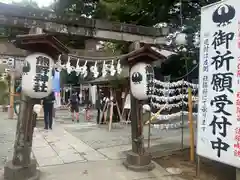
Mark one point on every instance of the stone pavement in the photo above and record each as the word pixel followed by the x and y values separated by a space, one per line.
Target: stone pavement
pixel 114 144
pixel 97 170
pixel 7 136
pixel 81 151
pixel 60 147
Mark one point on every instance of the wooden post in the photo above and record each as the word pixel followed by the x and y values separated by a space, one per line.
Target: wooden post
pixel 190 120
pixel 11 100
pixel 198 166
pixel 181 117
pixel 111 110
pixel 98 105
pixel 149 134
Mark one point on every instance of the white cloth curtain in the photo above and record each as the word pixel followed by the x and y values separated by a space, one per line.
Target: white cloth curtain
pixel 93 91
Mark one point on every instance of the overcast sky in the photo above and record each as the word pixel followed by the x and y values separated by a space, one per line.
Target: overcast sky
pixel 41 3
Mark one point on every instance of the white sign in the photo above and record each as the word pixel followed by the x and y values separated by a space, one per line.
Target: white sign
pixel 218 115
pixel 37 75
pixel 141 80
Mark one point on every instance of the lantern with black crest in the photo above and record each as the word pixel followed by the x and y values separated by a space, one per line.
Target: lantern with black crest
pixel 141 80
pixel 37 75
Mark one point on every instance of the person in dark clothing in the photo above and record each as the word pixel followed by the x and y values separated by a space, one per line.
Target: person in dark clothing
pixel 48 110
pixel 74 102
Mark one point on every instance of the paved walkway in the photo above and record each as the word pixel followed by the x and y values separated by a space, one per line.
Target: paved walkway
pixel 7 136
pixel 114 144
pixel 84 151
pixel 98 170
pixel 60 147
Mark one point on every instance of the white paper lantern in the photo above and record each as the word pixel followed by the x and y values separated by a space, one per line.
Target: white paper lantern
pixel 37 75
pixel 141 80
pixel 181 39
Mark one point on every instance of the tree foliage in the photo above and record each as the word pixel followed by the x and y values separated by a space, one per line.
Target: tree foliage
pixel 76 7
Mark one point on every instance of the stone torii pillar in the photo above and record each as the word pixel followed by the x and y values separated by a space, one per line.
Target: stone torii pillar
pixel 23 166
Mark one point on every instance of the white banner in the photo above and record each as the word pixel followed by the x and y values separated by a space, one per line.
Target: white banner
pixel 218 122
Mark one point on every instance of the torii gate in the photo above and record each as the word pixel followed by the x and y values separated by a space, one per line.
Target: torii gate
pixel 16 16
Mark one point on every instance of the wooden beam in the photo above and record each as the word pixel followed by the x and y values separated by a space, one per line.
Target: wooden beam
pixel 16 16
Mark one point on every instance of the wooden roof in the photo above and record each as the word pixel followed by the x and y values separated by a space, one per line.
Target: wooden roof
pixel 143 52
pixel 41 43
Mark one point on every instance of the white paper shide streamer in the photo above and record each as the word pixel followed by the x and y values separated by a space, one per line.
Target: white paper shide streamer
pixel 81 70
pixel 69 68
pixel 94 70
pixel 58 65
pixel 119 68
pixel 104 69
pixel 107 68
pixel 112 69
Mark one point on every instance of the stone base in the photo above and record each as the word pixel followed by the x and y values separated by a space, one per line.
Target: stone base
pixel 12 172
pixel 139 163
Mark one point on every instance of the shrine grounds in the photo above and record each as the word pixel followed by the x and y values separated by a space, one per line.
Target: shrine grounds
pixel 87 151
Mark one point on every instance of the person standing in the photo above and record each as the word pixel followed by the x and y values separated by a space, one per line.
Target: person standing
pixel 48 110
pixel 74 106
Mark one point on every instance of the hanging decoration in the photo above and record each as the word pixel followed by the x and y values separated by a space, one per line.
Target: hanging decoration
pixel 141 80
pixel 81 70
pixel 69 67
pixel 119 68
pixel 37 75
pixel 112 69
pixel 94 70
pixel 58 65
pixel 176 90
pixel 104 69
pixel 174 103
pixel 107 68
pixel 171 99
pixel 169 106
pixel 78 68
pixel 172 116
pixel 176 84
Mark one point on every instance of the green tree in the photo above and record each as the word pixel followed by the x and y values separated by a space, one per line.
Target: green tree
pixel 76 7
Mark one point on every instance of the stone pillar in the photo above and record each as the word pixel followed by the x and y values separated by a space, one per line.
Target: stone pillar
pixel 23 166
pixel 12 91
